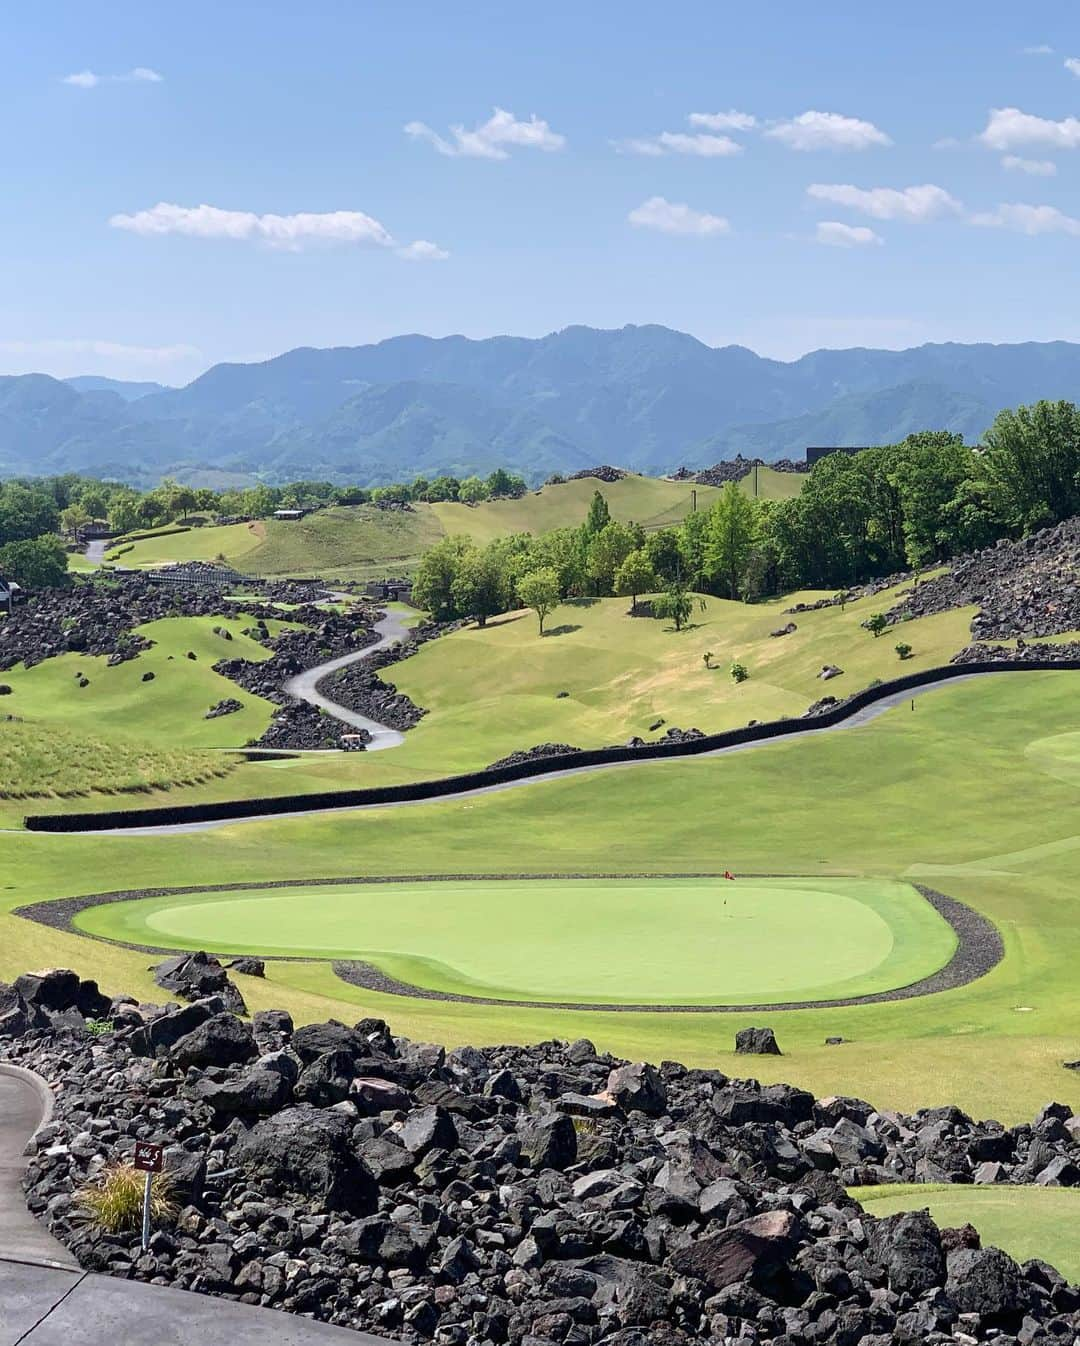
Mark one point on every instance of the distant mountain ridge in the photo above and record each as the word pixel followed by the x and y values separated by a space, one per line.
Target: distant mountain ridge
pixel 647 398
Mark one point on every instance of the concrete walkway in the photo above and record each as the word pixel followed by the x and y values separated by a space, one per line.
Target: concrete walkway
pixel 46 1300
pixel 304 686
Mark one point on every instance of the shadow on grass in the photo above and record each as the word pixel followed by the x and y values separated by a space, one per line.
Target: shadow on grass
pixel 504 621
pixel 563 630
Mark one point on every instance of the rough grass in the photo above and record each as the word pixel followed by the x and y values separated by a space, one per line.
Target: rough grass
pixel 947 796
pixel 657 941
pixel 1026 1222
pixel 56 763
pixel 113 1203
pixel 361 542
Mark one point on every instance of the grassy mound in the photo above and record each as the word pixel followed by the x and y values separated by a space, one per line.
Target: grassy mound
pixel 692 941
pixel 168 710
pixel 1025 1221
pixel 62 764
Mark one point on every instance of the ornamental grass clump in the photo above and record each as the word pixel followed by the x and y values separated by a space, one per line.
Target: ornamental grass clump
pixel 113 1202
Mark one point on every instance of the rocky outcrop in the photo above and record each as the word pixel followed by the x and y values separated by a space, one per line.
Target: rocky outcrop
pixel 602 473
pixel 535 754
pixel 525 1194
pixel 733 469
pixel 195 976
pixel 1022 651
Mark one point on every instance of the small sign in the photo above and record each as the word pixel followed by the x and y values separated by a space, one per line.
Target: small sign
pixel 149 1158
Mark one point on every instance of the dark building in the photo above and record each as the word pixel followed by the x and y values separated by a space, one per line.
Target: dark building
pixel 815 455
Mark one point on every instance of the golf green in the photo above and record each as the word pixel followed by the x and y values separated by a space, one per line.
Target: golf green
pixel 646 941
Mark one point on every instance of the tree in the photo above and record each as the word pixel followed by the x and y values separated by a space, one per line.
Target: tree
pixel 729 538
pixel 539 590
pixel 903 649
pixel 606 552
pixel 73 518
pixel 480 586
pixel 433 588
pixel 124 513
pixel 876 624
pixel 444 488
pixel 635 576
pixel 692 537
pixel 26 512
pixel 503 483
pixel 472 490
pixel 676 603
pixel 665 557
pixel 598 517
pixel 35 563
pixel 1032 462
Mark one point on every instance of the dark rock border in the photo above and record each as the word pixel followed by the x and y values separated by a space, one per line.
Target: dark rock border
pixel 979 948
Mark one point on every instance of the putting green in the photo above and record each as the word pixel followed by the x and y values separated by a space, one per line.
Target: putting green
pixel 1025 1221
pixel 643 941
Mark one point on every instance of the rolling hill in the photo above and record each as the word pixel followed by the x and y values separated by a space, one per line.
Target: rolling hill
pixel 647 398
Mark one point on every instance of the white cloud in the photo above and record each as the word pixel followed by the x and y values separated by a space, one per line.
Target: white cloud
pixel 669 217
pixel 675 142
pixel 1036 168
pixel 1040 49
pixel 289 232
pixel 836 235
pixel 1072 65
pixel 1008 128
pixel 108 350
pixel 1031 220
pixel 827 131
pixel 925 202
pixel 422 251
pixel 723 121
pixel 87 79
pixel 490 140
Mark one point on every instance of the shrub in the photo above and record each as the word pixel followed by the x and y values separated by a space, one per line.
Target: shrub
pixel 707 657
pixel 98 1028
pixel 739 673
pixel 903 649
pixel 876 624
pixel 114 1202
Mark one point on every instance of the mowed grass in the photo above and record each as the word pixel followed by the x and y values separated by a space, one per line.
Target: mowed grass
pixel 947 796
pixel 168 711
pixel 665 941
pixel 60 763
pixel 361 542
pixel 491 691
pixel 1026 1222
pixel 233 541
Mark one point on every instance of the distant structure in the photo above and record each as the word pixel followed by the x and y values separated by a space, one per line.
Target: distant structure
pixel 815 455
pixel 390 591
pixel 198 575
pixel 289 514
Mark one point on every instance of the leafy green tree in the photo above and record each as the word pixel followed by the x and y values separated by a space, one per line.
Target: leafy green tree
pixel 502 483
pixel 676 603
pixel 1032 462
pixel 598 517
pixel 472 491
pixel 662 549
pixel 539 590
pixel 94 500
pixel 35 563
pixel 433 588
pixel 729 539
pixel 563 550
pixel 692 541
pixel 443 488
pixel 903 649
pixel 876 624
pixel 124 516
pixel 480 586
pixel 606 552
pixel 635 576
pixel 73 518
pixel 26 512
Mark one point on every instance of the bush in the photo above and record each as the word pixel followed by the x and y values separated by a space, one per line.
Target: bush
pixel 876 624
pixel 739 673
pixel 903 649
pixel 114 1202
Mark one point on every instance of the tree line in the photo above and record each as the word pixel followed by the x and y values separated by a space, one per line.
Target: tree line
pixel 859 516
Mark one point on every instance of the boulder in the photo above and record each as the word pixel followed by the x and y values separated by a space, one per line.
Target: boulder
pixel 307 1150
pixel 248 967
pixel 638 1088
pixel 988 1282
pixel 754 1250
pixel 756 1042
pixel 909 1247
pixel 194 976
pixel 222 1040
pixel 549 1142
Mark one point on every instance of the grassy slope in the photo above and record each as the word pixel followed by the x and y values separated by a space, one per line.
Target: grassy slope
pixel 1025 1221
pixel 166 712
pixel 948 795
pixel 688 941
pixel 361 542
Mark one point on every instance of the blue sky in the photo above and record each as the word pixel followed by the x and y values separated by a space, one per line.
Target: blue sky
pixel 784 176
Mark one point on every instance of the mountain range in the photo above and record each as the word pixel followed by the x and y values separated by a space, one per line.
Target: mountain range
pixel 645 398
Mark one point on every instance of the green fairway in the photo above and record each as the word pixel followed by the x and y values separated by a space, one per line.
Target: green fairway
pixel 664 941
pixel 1026 1222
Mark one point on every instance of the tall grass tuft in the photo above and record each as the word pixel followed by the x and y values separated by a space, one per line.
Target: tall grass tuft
pixel 113 1203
